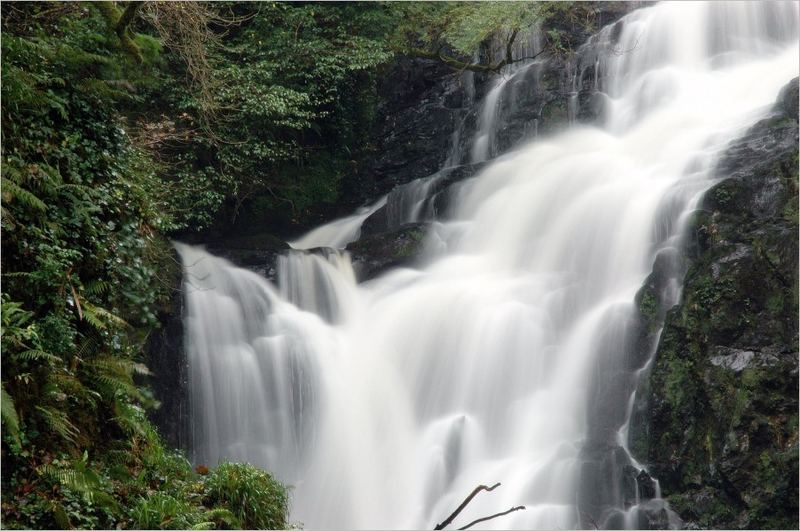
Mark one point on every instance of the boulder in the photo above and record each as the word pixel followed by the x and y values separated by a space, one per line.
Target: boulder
pixel 377 253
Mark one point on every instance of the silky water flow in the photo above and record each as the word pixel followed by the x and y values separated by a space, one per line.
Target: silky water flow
pixel 385 403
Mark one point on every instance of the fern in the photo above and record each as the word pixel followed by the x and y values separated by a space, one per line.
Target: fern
pixel 130 417
pixel 58 421
pixel 35 355
pixel 12 191
pixel 75 388
pixel 113 376
pixel 222 515
pixel 79 478
pixel 97 288
pixel 100 318
pixel 9 413
pixel 60 516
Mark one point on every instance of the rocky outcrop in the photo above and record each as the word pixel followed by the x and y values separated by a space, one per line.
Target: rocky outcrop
pixel 716 420
pixel 376 254
pixel 167 362
pixel 420 105
pixel 427 111
pixel 257 252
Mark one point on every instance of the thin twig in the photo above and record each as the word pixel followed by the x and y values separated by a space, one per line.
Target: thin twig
pixel 466 501
pixel 479 520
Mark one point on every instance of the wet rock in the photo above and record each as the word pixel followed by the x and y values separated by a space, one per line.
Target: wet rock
pixel 421 105
pixel 257 252
pixel 167 364
pixel 788 100
pixel 377 253
pixel 646 485
pixel 717 420
pixel 434 203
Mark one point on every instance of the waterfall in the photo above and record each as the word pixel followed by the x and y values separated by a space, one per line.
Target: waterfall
pixel 506 357
pixel 338 233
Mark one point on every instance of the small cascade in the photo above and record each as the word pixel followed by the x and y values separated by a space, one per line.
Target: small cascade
pixel 338 233
pixel 483 147
pixel 408 203
pixel 320 283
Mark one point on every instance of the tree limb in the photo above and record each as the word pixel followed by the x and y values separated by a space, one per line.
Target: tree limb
pixel 479 520
pixel 127 16
pixel 119 22
pixel 509 58
pixel 466 501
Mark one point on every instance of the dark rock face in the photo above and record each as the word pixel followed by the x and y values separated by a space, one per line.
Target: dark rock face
pixel 717 419
pixel 167 363
pixel 376 254
pixel 435 203
pixel 258 252
pixel 427 109
pixel 421 104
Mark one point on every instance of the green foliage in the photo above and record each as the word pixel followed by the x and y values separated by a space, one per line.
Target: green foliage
pixel 162 511
pixel 455 32
pixel 9 414
pixel 257 500
pixel 291 80
pixel 464 26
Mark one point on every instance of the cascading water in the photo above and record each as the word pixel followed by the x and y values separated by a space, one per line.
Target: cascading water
pixel 385 403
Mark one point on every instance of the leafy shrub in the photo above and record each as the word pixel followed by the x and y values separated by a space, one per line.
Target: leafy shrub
pixel 256 498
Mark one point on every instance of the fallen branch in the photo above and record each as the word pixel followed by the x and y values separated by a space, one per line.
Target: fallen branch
pixel 479 520
pixel 466 501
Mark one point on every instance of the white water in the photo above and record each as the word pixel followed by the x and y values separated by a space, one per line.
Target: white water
pixel 337 234
pixel 386 403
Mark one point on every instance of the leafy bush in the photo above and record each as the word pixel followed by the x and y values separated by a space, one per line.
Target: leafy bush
pixel 255 497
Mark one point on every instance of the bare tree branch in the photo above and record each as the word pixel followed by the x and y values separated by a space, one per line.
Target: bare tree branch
pixel 466 501
pixel 479 520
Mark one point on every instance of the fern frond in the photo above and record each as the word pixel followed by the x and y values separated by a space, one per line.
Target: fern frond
pixel 60 516
pixel 53 181
pixel 79 478
pixel 12 191
pixel 9 413
pixel 118 366
pixel 89 343
pixel 59 422
pixel 35 354
pixel 96 288
pixel 112 384
pixel 225 516
pixel 130 417
pixel 100 318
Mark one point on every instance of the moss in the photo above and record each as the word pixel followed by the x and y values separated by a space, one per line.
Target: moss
pixel 649 308
pixel 411 244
